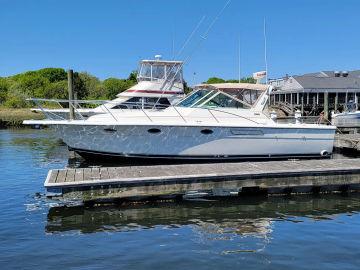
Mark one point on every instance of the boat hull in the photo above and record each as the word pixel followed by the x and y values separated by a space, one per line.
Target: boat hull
pixel 348 119
pixel 196 143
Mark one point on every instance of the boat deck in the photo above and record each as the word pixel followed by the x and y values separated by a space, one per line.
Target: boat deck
pixel 203 180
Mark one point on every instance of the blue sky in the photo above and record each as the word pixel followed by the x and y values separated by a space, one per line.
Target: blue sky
pixel 107 38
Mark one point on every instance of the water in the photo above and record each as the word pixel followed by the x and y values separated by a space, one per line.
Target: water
pixel 298 232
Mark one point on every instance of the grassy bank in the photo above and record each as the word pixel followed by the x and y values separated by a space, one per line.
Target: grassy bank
pixel 14 117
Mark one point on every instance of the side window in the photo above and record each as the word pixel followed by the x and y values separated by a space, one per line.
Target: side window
pixel 120 106
pixel 131 103
pixel 164 101
pixel 224 101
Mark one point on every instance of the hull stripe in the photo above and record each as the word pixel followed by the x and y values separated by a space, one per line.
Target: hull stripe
pixel 176 157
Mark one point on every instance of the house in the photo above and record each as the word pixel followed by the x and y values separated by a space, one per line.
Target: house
pixel 314 92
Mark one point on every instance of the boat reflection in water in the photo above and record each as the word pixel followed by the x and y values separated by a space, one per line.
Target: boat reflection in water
pixel 250 221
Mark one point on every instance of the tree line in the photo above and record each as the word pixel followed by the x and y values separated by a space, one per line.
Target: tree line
pixel 220 80
pixel 51 83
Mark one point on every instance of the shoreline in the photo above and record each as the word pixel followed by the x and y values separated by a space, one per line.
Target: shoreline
pixel 14 117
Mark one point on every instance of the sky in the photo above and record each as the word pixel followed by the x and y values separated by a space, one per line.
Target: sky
pixel 108 38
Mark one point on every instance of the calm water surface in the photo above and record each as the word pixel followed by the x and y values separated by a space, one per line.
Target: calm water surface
pixel 300 232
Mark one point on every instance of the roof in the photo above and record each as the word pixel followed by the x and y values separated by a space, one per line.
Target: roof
pixel 160 62
pixel 309 82
pixel 250 86
pixel 331 73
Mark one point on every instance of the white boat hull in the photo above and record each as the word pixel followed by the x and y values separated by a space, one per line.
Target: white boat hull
pixel 196 142
pixel 347 119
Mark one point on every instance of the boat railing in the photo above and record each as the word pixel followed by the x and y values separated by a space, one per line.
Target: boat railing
pixel 302 120
pixel 145 108
pixel 79 105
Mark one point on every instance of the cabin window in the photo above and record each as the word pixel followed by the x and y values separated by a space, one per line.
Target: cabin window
pixel 136 103
pixel 132 103
pixel 162 101
pixel 224 101
pixel 120 106
pixel 160 70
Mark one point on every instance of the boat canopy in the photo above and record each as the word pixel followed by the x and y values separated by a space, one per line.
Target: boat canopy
pixel 234 86
pixel 159 70
pixel 226 95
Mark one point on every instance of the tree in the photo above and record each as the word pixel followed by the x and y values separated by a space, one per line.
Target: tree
pixel 248 80
pixel 220 80
pixel 30 84
pixel 114 86
pixel 232 81
pixel 53 74
pixel 215 80
pixel 133 76
pixel 88 86
pixel 56 90
pixel 187 89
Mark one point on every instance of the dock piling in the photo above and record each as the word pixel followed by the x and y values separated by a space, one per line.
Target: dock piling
pixel 326 106
pixel 70 75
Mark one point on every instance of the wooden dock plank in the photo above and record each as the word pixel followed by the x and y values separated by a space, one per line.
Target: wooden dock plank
pixel 53 176
pixel 87 174
pixel 104 174
pixel 70 175
pixel 61 177
pixel 95 173
pixel 112 172
pixel 79 175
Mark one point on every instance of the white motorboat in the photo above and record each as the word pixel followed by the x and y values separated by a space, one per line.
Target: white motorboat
pixel 159 83
pixel 216 122
pixel 349 118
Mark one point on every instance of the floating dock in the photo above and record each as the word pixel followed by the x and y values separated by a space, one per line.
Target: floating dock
pixel 191 181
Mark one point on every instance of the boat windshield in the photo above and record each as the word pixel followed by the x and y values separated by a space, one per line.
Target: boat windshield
pixel 205 98
pixel 194 97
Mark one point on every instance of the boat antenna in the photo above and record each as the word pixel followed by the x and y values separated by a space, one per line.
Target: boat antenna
pixel 187 59
pixel 173 42
pixel 190 36
pixel 203 37
pixel 206 33
pixel 239 55
pixel 265 53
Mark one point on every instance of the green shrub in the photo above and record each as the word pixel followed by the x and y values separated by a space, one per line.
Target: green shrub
pixel 16 100
pixel 4 86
